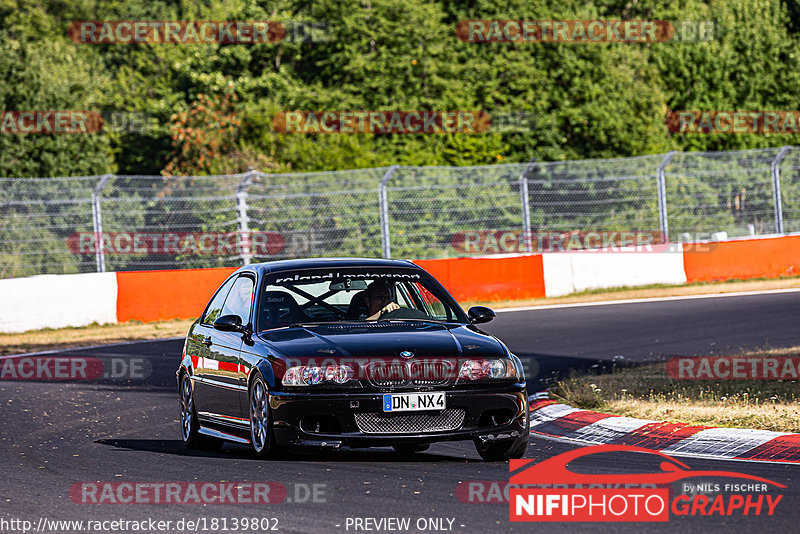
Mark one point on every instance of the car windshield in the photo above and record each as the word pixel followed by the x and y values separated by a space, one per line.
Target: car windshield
pixel 353 295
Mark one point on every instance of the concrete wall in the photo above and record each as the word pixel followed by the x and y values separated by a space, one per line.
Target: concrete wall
pixel 55 301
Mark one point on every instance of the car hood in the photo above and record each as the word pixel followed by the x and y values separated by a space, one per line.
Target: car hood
pixel 383 340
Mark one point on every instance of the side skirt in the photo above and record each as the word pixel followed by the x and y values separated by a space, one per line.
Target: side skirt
pixel 222 435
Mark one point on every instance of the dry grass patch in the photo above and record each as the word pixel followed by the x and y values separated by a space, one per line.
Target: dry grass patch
pixel 777 416
pixel 647 392
pixel 62 338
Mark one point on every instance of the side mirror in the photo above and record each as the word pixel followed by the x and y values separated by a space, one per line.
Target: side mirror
pixel 229 323
pixel 480 314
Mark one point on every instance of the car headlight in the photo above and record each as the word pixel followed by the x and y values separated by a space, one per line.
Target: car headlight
pixel 487 369
pixel 308 375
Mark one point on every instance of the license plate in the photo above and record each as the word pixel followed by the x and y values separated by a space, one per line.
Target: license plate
pixel 413 402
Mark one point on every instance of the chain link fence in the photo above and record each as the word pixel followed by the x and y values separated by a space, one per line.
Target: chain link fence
pixel 115 223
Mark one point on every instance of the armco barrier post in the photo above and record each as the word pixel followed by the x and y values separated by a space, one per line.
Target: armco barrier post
pixel 662 196
pixel 384 208
pixel 242 219
pixel 526 208
pixel 776 188
pixel 97 223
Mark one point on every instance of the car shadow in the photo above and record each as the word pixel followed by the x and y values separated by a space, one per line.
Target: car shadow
pixel 543 370
pixel 232 450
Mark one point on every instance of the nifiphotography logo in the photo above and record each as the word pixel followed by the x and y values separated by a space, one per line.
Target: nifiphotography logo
pixel 573 496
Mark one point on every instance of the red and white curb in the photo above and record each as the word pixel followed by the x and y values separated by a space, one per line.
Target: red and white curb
pixel 563 422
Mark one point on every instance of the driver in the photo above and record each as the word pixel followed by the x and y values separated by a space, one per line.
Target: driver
pixel 378 299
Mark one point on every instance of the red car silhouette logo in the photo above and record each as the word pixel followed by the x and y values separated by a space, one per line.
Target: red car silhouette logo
pixel 554 470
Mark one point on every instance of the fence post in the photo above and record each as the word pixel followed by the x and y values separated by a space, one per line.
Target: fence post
pixel 242 219
pixel 384 207
pixel 97 223
pixel 526 209
pixel 662 196
pixel 776 188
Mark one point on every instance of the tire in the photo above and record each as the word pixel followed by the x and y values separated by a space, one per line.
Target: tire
pixel 262 436
pixel 411 448
pixel 500 452
pixel 190 425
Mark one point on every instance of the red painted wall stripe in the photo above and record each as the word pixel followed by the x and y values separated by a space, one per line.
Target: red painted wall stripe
pixel 751 258
pixel 489 279
pixel 163 295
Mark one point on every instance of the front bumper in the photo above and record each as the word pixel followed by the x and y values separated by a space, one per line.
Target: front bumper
pixel 323 418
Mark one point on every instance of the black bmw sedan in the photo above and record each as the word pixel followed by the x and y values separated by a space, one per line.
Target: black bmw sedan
pixel 347 352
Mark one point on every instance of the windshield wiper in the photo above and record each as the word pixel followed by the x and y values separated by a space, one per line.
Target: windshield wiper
pixel 356 323
pixel 435 321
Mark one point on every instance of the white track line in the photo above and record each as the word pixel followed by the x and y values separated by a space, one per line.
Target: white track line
pixel 649 299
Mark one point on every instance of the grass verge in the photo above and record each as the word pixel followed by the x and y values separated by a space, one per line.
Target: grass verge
pixel 647 392
pixel 63 338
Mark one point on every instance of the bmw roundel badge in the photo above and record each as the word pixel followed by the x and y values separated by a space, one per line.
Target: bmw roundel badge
pixel 406 354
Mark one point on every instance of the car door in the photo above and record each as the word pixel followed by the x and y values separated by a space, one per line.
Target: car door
pixel 199 344
pixel 221 367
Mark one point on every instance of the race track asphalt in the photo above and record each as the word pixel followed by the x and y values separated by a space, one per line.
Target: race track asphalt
pixel 56 434
pixel 584 336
